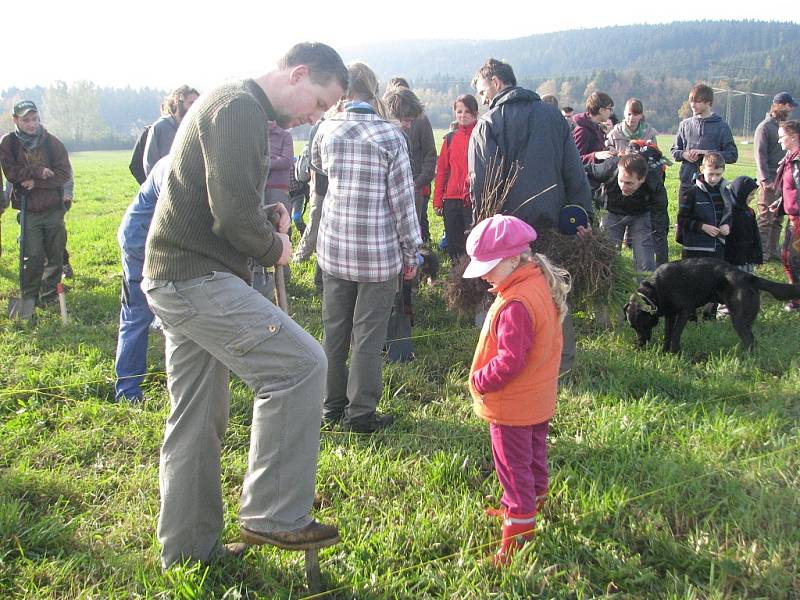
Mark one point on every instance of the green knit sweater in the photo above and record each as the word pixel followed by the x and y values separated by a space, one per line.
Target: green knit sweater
pixel 209 216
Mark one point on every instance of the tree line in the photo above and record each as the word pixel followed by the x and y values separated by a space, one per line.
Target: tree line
pixel 656 63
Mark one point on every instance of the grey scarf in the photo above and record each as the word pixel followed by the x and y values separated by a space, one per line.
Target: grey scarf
pixel 29 141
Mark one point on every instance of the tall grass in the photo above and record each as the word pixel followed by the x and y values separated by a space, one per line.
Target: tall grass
pixel 671 476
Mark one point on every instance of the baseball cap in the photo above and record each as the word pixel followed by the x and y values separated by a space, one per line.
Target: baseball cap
pixel 494 239
pixel 571 217
pixel 784 98
pixel 23 107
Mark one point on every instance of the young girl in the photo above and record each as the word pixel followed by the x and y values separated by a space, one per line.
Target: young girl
pixel 451 194
pixel 514 375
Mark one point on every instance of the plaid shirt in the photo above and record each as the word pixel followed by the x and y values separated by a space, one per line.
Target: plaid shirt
pixel 369 228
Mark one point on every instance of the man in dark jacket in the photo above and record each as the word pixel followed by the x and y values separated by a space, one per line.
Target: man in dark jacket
pixel 768 153
pixel 520 127
pixel 37 165
pixel 629 192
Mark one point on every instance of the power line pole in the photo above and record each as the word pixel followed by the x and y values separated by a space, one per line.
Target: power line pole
pixel 747 129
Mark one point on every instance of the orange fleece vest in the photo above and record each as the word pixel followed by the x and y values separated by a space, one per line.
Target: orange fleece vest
pixel 529 398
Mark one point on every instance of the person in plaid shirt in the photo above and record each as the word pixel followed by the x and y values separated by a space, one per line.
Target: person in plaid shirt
pixel 368 235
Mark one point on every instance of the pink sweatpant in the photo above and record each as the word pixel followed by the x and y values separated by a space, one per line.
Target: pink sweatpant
pixel 520 459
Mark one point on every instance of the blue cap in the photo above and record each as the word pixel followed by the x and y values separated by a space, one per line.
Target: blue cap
pixel 570 218
pixel 784 98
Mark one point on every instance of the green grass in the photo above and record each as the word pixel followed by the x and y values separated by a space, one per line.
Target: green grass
pixel 672 476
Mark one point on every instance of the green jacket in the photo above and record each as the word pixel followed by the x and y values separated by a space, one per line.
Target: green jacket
pixel 209 216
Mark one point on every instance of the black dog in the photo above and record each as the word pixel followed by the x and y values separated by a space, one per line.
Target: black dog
pixel 676 289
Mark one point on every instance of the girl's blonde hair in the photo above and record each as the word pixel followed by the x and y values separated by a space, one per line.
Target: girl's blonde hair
pixel 558 280
pixel 364 86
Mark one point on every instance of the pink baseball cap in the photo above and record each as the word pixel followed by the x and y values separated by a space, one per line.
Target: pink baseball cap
pixel 494 239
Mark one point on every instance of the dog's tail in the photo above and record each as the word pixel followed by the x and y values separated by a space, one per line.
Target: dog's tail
pixel 781 291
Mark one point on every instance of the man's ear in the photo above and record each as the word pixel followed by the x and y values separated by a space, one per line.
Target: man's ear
pixel 298 73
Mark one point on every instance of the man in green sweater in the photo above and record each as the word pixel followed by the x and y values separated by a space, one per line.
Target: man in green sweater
pixel 207 223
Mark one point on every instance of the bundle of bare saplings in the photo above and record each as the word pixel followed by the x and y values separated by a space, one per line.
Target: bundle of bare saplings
pixel 601 280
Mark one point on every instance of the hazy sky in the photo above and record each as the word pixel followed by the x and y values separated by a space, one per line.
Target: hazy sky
pixel 163 44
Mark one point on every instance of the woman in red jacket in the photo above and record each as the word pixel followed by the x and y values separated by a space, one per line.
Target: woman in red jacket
pixel 451 195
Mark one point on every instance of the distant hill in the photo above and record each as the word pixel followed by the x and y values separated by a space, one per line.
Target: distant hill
pixel 656 63
pixel 681 49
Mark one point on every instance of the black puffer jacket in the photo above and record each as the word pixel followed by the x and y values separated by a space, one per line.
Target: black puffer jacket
pixel 519 126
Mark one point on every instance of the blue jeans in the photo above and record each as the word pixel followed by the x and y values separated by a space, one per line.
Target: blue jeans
pixel 134 320
pixel 640 233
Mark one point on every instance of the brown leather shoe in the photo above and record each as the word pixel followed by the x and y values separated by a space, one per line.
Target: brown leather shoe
pixel 312 536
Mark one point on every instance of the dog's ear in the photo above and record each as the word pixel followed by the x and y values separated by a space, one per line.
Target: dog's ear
pixel 646 304
pixel 625 313
pixel 646 287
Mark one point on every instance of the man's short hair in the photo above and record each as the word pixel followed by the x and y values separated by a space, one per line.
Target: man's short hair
pixel 323 62
pixel 495 68
pixel 469 101
pixel 550 99
pixel 597 101
pixel 402 103
pixel 702 93
pixel 567 109
pixel 715 160
pixel 397 82
pixel 633 164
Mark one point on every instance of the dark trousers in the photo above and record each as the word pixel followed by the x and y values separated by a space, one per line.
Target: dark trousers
pixel 769 224
pixel 421 205
pixel 457 219
pixel 659 220
pixel 45 239
pixel 719 252
pixel 354 317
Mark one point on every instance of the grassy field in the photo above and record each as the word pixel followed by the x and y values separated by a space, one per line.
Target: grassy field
pixel 672 476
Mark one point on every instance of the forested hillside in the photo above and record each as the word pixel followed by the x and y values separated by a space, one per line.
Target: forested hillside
pixel 657 63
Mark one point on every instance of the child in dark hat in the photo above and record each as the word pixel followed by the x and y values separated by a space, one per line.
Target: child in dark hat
pixel 743 245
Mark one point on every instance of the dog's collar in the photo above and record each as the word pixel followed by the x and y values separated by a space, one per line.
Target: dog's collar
pixel 649 306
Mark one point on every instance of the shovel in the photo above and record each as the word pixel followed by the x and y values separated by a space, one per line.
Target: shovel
pixel 22 308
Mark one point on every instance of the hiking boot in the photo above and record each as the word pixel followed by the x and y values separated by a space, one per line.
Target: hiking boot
pixel 331 420
pixel 312 536
pixel 370 424
pixel 48 300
